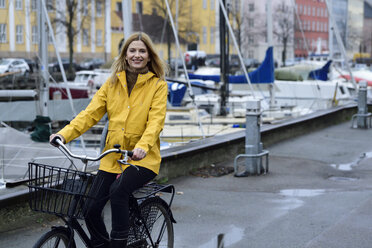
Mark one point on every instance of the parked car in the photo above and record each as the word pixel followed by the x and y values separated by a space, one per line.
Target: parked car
pixel 194 59
pixel 175 62
pixel 91 64
pixel 54 66
pixel 32 64
pixel 93 79
pixel 14 65
pixel 254 63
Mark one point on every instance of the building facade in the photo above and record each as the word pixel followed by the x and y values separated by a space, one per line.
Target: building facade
pixel 311 28
pixel 367 28
pixel 255 35
pixel 102 27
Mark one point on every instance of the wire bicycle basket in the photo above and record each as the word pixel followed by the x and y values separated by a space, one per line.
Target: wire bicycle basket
pixel 59 191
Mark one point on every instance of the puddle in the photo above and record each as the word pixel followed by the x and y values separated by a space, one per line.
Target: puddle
pixel 349 166
pixel 368 155
pixel 342 179
pixel 301 192
pixel 234 235
pixel 343 167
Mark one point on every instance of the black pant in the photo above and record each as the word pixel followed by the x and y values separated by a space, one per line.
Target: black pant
pixel 107 187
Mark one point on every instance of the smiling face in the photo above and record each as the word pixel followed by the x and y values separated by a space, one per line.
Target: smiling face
pixel 137 55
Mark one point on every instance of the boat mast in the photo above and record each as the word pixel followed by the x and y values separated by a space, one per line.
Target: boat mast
pixel 43 55
pixel 334 28
pixel 224 61
pixel 270 44
pixel 44 49
pixel 191 93
pixel 222 8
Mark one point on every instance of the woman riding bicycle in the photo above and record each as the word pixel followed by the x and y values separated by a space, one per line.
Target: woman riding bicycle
pixel 135 100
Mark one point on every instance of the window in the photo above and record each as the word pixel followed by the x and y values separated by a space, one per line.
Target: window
pixel 85 7
pixel 250 54
pixel 2 4
pixel 119 7
pixel 18 4
pixel 204 4
pixel 212 35
pixel 33 5
pixel 313 29
pixel 212 4
pixel 305 9
pixel 236 6
pixel 99 37
pixel 300 9
pixel 250 39
pixel 3 33
pixel 50 5
pixel 85 37
pixel 313 11
pixel 251 22
pixel 34 38
pixel 204 35
pixel 139 8
pixel 19 34
pixel 251 7
pixel 99 8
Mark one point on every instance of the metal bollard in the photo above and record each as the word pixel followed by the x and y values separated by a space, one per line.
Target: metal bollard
pixel 362 105
pixel 220 240
pixel 253 146
pixel 252 134
pixel 363 118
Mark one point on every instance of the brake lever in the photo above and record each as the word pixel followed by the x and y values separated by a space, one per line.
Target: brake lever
pixel 124 162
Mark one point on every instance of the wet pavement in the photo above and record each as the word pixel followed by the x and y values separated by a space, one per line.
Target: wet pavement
pixel 318 194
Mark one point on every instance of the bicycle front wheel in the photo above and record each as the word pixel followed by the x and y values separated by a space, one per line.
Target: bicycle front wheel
pixel 56 238
pixel 159 227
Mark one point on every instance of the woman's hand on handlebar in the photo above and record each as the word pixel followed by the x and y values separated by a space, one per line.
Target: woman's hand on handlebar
pixel 54 137
pixel 138 154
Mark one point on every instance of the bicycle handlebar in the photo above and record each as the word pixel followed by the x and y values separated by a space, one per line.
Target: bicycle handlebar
pixel 85 158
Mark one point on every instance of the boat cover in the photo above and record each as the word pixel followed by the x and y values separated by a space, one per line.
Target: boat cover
pixel 263 74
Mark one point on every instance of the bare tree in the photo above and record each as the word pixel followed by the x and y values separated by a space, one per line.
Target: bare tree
pixel 234 11
pixel 67 18
pixel 185 30
pixel 283 20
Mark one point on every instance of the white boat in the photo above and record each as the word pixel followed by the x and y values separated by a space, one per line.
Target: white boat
pixel 281 98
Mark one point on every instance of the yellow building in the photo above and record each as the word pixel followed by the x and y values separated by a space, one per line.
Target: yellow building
pixel 196 24
pixel 102 27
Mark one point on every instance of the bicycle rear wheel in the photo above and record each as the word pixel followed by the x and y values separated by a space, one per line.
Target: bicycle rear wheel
pixel 159 225
pixel 56 238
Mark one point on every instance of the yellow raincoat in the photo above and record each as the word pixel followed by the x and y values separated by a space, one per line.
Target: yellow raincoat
pixel 134 122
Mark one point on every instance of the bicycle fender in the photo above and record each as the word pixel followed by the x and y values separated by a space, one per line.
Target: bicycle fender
pixel 69 233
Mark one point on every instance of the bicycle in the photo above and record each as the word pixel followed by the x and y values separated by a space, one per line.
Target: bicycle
pixel 65 193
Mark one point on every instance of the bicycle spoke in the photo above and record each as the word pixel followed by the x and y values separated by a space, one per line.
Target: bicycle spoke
pixel 56 244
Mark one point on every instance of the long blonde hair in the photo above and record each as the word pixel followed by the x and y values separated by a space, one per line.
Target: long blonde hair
pixel 155 65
